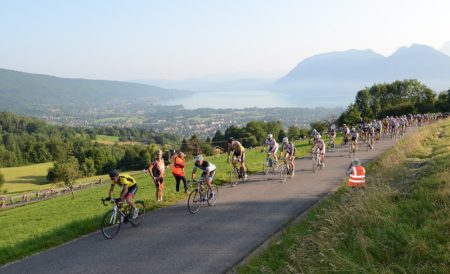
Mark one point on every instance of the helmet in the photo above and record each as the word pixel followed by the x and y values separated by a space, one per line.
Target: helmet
pixel 231 139
pixel 355 162
pixel 353 129
pixel 285 140
pixel 199 158
pixel 270 136
pixel 113 173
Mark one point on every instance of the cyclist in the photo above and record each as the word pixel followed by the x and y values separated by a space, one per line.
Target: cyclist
pixel 209 170
pixel 289 149
pixel 273 146
pixel 354 135
pixel 238 155
pixel 346 133
pixel 129 190
pixel 332 133
pixel 319 145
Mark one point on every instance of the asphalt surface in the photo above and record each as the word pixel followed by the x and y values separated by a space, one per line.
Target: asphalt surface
pixel 171 240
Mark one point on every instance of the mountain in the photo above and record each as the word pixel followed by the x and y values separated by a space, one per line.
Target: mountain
pixel 446 48
pixel 24 92
pixel 348 71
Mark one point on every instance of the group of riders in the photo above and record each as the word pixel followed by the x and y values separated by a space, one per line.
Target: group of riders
pixel 367 131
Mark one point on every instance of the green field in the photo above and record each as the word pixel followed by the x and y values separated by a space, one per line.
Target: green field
pixel 399 224
pixel 106 138
pixel 26 178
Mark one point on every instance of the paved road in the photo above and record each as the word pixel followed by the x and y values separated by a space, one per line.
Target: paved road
pixel 171 240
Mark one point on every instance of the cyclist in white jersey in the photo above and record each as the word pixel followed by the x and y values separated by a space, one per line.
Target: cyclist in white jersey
pixel 273 146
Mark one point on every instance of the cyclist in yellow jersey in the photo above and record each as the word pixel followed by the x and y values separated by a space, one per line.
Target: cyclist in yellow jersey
pixel 238 155
pixel 129 186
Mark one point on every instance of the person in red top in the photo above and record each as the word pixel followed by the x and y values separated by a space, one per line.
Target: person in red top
pixel 156 171
pixel 178 165
pixel 357 175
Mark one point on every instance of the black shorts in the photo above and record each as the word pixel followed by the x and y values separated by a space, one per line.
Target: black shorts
pixel 132 189
pixel 353 138
pixel 237 154
pixel 211 174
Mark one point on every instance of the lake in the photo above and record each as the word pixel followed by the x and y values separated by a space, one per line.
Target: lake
pixel 260 99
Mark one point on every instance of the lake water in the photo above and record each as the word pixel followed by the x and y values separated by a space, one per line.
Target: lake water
pixel 259 98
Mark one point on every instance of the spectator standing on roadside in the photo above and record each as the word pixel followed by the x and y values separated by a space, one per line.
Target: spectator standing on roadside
pixel 156 171
pixel 178 165
pixel 357 175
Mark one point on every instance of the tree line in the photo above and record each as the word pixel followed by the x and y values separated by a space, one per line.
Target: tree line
pixel 395 99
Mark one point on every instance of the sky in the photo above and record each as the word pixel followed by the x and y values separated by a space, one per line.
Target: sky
pixel 182 39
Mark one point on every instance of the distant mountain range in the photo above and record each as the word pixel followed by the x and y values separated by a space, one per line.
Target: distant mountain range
pixel 20 91
pixel 349 71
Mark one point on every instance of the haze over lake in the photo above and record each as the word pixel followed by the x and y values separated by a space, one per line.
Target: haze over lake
pixel 258 98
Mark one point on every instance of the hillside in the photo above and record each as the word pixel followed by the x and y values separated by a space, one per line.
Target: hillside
pixel 28 93
pixel 349 71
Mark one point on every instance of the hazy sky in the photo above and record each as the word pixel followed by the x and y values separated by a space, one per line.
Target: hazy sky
pixel 116 39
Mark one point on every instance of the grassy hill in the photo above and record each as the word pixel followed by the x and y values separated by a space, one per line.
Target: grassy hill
pixel 27 92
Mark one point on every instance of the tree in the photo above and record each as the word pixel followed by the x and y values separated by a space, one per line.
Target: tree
pixel 350 116
pixel 320 126
pixel 66 172
pixel 293 133
pixel 2 180
pixel 281 135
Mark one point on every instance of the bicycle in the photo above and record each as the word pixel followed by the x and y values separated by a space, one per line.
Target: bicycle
pixel 316 161
pixel 114 218
pixel 270 165
pixel 201 195
pixel 331 144
pixel 353 149
pixel 370 142
pixel 285 170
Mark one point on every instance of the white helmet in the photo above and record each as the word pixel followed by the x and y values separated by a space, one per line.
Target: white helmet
pixel 198 158
pixel 270 136
pixel 285 140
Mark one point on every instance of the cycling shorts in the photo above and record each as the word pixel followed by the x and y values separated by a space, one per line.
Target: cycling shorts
pixel 273 149
pixel 211 174
pixel 132 190
pixel 237 155
pixel 353 138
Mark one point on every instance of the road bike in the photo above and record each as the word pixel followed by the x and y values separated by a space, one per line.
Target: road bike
pixel 316 161
pixel 114 218
pixel 270 165
pixel 370 142
pixel 201 196
pixel 236 174
pixel 331 144
pixel 286 169
pixel 353 148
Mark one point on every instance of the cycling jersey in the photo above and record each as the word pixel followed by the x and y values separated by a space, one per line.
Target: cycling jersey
pixel 125 180
pixel 205 167
pixel 320 144
pixel 289 147
pixel 273 145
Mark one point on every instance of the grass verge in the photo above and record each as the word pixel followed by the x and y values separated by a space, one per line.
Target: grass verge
pixel 399 224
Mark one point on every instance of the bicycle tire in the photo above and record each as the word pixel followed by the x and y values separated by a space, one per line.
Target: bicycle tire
pixel 265 168
pixel 141 207
pixel 111 224
pixel 314 165
pixel 212 200
pixel 283 173
pixel 234 178
pixel 194 201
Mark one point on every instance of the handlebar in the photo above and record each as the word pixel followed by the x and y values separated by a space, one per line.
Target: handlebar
pixel 113 200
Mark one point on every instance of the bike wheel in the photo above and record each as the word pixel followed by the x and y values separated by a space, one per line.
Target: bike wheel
pixel 283 173
pixel 140 217
pixel 194 201
pixel 212 198
pixel 265 168
pixel 111 224
pixel 234 177
pixel 314 165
